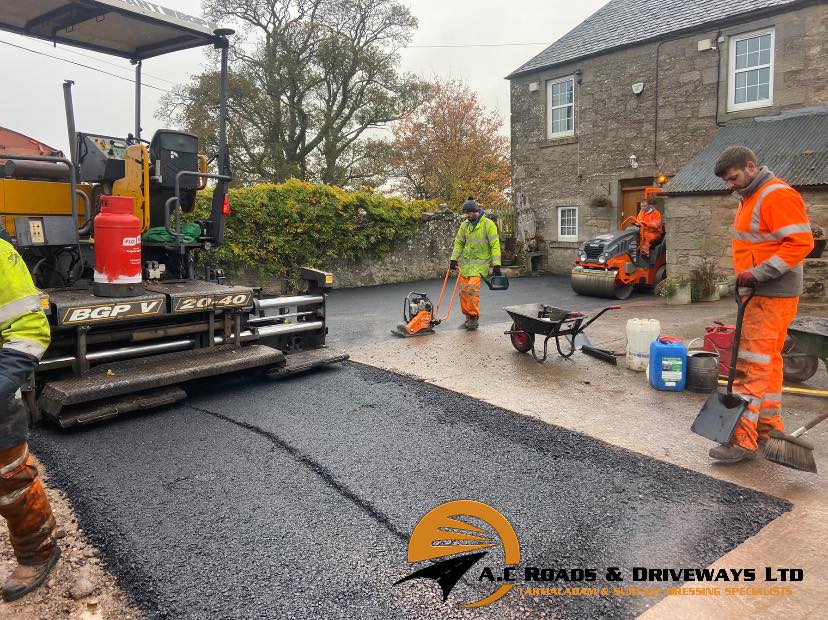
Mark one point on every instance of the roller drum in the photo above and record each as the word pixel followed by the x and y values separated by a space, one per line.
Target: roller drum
pixel 598 283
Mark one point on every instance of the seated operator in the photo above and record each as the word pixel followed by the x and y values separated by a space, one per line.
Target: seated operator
pixel 651 230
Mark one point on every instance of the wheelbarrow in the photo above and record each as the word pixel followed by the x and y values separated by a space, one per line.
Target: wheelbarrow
pixel 807 343
pixel 532 320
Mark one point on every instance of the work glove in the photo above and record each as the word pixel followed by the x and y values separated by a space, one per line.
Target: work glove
pixel 746 279
pixel 496 271
pixel 453 265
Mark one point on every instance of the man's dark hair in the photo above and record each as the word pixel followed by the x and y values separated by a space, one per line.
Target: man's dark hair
pixel 734 157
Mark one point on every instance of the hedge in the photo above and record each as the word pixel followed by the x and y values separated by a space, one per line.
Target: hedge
pixel 275 229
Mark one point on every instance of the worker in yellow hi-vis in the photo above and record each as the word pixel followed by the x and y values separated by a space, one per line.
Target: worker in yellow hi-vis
pixel 476 248
pixel 24 334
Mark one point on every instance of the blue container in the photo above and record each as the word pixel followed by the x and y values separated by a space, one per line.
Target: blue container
pixel 668 365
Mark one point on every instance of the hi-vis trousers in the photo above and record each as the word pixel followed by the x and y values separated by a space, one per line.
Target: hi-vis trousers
pixel 759 367
pixel 23 501
pixel 470 296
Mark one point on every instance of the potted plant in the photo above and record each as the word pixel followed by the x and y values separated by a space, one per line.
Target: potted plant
pixel 508 252
pixel 819 241
pixel 704 280
pixel 676 290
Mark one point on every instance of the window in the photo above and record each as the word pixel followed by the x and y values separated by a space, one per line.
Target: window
pixel 567 223
pixel 751 71
pixel 560 108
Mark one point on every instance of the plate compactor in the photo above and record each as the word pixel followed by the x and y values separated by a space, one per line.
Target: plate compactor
pixel 610 265
pixel 419 313
pixel 132 317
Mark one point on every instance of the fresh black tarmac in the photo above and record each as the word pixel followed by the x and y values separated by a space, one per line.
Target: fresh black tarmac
pixel 295 499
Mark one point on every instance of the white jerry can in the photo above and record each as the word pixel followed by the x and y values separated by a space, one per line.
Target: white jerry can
pixel 640 334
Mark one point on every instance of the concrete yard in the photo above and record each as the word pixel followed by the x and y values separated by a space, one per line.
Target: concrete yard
pixel 295 499
pixel 616 406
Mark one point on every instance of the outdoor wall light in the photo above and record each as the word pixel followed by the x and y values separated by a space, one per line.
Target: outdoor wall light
pixel 633 161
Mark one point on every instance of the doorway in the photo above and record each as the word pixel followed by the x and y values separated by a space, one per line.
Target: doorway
pixel 632 193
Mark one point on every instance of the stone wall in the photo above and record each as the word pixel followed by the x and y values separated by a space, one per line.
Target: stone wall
pixel 700 225
pixel 421 256
pixel 683 102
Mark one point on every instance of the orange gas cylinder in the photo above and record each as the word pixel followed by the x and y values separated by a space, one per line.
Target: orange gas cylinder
pixel 117 248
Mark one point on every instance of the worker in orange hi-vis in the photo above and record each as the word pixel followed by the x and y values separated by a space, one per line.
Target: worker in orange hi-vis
pixel 650 226
pixel 771 237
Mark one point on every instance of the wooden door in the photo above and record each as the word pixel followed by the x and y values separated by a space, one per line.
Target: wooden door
pixel 630 199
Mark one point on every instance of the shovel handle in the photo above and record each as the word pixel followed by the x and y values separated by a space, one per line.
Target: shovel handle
pixel 737 336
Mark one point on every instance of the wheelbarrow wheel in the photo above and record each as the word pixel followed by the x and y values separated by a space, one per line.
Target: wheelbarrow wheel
pixel 522 341
pixel 796 366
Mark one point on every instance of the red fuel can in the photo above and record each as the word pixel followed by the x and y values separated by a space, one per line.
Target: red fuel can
pixel 719 339
pixel 117 248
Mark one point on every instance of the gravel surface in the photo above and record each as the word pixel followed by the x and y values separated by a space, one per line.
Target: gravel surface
pixel 295 500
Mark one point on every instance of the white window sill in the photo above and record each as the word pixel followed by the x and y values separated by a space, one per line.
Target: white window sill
pixel 753 105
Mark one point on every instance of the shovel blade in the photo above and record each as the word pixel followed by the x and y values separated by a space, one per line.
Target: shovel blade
pixel 719 416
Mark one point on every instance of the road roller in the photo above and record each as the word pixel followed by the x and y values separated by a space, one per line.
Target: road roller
pixel 610 265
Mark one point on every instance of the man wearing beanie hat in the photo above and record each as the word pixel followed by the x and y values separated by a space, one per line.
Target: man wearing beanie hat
pixel 476 248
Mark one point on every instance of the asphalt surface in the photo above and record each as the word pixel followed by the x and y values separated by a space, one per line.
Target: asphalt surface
pixel 257 499
pixel 368 314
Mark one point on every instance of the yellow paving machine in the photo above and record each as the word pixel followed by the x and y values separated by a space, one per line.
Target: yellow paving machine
pixel 105 235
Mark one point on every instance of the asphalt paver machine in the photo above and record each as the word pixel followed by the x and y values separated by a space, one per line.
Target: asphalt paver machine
pixel 123 344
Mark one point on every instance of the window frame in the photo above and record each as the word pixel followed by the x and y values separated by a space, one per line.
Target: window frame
pixel 732 106
pixel 561 236
pixel 549 108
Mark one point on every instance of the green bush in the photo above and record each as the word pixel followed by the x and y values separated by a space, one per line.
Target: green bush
pixel 274 230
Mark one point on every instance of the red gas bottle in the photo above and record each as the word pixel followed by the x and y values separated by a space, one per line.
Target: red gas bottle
pixel 117 248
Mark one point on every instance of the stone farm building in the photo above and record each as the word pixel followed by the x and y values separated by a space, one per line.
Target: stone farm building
pixel 645 88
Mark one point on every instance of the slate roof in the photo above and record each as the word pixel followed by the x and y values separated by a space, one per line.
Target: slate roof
pixel 795 149
pixel 620 23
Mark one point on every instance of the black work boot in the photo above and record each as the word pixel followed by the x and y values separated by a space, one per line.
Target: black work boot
pixel 26 578
pixel 731 453
pixel 471 324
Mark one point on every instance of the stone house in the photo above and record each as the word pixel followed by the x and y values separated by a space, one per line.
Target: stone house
pixel 642 87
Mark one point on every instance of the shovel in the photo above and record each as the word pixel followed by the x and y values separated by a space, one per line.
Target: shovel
pixel 718 418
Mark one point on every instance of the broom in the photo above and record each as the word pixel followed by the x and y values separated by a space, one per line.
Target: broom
pixel 791 450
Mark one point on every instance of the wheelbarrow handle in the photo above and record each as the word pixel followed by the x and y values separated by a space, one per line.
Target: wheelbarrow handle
pixel 742 303
pixel 598 315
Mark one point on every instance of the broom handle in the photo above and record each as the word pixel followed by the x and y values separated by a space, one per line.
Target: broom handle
pixel 737 336
pixel 810 424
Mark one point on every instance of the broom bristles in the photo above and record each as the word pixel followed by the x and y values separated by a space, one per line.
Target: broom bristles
pixel 793 452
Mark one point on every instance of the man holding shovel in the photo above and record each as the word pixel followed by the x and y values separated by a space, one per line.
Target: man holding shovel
pixel 771 237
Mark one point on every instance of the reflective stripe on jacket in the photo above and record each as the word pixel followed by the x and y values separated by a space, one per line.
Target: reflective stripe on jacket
pixel 476 247
pixel 771 237
pixel 23 326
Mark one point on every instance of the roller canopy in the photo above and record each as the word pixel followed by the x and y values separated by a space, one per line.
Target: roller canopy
pixel 133 29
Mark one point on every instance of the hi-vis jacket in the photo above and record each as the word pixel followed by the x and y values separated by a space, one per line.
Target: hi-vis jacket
pixel 24 329
pixel 476 247
pixel 771 236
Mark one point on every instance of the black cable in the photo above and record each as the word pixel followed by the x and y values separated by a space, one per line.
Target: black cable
pixel 80 64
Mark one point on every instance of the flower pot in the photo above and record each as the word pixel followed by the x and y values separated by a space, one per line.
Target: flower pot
pixel 819 248
pixel 724 289
pixel 714 296
pixel 682 295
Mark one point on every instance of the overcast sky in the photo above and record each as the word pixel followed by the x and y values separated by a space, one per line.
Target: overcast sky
pixel 32 97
